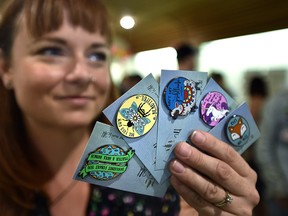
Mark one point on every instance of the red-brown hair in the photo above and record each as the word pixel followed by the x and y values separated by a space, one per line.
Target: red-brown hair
pixel 18 160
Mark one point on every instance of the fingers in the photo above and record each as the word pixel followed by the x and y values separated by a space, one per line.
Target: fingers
pixel 203 186
pixel 203 175
pixel 210 167
pixel 202 193
pixel 195 200
pixel 205 191
pixel 206 142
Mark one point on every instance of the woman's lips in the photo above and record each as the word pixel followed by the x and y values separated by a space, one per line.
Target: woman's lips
pixel 76 100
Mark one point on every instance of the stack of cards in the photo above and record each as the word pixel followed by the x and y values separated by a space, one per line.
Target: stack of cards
pixel 150 119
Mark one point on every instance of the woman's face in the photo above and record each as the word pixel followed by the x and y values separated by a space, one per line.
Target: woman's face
pixel 61 79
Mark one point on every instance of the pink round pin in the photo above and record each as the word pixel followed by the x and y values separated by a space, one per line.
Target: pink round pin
pixel 214 107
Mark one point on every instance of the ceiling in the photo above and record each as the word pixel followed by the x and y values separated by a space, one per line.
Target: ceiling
pixel 162 23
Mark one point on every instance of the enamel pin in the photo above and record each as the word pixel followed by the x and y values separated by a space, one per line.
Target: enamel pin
pixel 137 115
pixel 106 162
pixel 237 130
pixel 180 96
pixel 214 108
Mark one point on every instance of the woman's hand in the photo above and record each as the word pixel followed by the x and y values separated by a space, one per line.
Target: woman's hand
pixel 211 171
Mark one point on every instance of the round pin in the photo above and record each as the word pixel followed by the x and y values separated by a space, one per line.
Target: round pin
pixel 137 115
pixel 180 96
pixel 237 130
pixel 106 162
pixel 214 108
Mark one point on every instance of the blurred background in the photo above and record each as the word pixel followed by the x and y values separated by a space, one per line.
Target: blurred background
pixel 235 38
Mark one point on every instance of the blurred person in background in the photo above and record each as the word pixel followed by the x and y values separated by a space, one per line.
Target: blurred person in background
pixel 257 97
pixel 128 82
pixel 272 153
pixel 186 56
pixel 218 77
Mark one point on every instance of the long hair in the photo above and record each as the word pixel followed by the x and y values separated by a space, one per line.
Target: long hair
pixel 22 172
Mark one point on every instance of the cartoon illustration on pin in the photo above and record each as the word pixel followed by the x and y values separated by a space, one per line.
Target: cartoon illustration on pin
pixel 136 116
pixel 180 96
pixel 106 162
pixel 237 130
pixel 214 108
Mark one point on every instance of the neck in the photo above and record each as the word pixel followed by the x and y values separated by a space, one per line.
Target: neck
pixel 59 147
pixel 62 149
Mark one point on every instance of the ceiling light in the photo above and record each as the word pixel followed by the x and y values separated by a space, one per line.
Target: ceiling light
pixel 127 22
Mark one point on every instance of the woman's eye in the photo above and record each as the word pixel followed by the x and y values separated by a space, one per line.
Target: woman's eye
pixel 50 51
pixel 97 57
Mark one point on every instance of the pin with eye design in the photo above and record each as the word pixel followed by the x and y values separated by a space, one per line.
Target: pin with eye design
pixel 136 116
pixel 237 130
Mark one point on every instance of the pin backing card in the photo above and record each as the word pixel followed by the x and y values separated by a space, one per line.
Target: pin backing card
pixel 135 115
pixel 109 161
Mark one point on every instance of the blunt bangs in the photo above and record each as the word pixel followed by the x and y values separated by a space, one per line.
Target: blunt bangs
pixel 47 15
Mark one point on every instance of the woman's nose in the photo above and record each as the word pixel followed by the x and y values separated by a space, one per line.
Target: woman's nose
pixel 78 73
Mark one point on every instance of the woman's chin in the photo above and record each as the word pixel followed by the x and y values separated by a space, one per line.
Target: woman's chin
pixel 78 121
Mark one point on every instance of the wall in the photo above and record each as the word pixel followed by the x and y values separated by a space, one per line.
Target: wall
pixel 237 58
pixel 265 53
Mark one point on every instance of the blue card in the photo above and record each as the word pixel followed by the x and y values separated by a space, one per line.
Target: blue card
pixel 211 105
pixel 108 161
pixel 238 129
pixel 179 91
pixel 135 116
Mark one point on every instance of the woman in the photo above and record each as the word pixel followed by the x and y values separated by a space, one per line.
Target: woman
pixel 56 81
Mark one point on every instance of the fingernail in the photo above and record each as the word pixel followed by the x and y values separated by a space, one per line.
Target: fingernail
pixel 184 150
pixel 197 137
pixel 177 167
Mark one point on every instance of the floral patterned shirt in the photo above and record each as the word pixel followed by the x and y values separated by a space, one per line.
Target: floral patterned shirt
pixel 105 201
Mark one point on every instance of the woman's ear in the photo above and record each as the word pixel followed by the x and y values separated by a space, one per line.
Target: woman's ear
pixel 5 73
